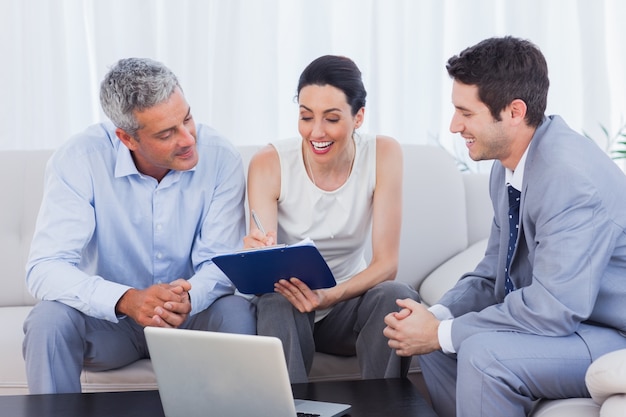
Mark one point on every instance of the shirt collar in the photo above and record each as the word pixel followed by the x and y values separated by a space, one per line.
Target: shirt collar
pixel 516 177
pixel 124 164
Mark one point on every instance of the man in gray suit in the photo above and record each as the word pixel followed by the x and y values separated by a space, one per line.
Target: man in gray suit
pixel 549 296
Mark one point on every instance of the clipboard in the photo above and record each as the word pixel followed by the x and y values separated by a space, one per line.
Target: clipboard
pixel 254 271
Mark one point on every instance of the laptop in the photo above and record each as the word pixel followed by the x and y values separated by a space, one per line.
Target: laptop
pixel 202 373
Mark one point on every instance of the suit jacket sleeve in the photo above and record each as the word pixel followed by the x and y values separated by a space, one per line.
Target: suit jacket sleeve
pixel 569 251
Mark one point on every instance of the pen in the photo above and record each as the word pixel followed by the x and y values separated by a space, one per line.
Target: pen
pixel 258 222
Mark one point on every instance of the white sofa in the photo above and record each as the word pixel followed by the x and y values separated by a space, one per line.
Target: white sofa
pixel 446 220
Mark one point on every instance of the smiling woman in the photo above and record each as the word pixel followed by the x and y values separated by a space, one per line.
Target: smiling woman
pixel 329 145
pixel 239 59
pixel 336 187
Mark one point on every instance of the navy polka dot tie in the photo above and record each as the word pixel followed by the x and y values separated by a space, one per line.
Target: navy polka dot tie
pixel 514 197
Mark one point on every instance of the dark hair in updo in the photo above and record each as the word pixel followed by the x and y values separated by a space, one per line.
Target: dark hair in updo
pixel 339 72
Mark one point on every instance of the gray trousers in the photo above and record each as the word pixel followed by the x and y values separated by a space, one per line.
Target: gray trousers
pixel 504 373
pixel 60 341
pixel 353 326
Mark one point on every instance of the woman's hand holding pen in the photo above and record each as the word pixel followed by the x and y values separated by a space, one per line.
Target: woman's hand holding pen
pixel 256 239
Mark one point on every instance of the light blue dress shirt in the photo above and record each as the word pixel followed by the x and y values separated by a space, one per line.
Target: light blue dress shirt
pixel 103 227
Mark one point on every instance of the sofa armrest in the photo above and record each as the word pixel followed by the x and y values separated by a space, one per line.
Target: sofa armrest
pixel 447 274
pixel 606 381
pixel 614 406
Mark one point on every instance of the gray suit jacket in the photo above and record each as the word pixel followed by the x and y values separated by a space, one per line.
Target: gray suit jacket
pixel 569 264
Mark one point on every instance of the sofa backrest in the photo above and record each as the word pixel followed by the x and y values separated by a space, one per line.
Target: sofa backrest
pixel 247 152
pixel 479 208
pixel 21 182
pixel 435 224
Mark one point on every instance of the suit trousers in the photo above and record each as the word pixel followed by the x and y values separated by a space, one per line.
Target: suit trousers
pixel 354 326
pixel 504 373
pixel 60 341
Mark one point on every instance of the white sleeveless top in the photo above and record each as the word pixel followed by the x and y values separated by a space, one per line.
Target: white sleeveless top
pixel 338 221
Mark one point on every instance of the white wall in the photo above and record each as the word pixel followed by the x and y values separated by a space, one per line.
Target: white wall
pixel 239 60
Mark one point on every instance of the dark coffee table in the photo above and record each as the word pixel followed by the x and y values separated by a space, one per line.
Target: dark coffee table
pixel 380 397
pixel 370 398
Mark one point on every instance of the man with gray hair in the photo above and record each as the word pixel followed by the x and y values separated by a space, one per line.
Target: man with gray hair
pixel 131 216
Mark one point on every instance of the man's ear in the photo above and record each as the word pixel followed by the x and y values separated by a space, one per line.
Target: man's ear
pixel 128 140
pixel 517 111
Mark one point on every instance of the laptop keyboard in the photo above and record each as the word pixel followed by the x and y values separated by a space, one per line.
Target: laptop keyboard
pixel 307 415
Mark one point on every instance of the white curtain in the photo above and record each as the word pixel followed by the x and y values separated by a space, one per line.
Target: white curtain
pixel 239 60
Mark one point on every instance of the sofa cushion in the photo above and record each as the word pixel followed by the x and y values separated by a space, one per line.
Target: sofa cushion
pixel 614 406
pixel 606 376
pixel 332 367
pixel 12 370
pixel 137 376
pixel 571 407
pixel 445 276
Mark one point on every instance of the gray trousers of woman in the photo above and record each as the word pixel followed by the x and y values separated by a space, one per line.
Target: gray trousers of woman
pixel 353 327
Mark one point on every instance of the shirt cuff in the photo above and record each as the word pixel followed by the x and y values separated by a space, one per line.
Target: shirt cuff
pixel 109 294
pixel 444 333
pixel 441 312
pixel 207 285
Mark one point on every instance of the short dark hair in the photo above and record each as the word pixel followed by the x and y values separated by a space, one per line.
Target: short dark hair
pixel 505 69
pixel 339 72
